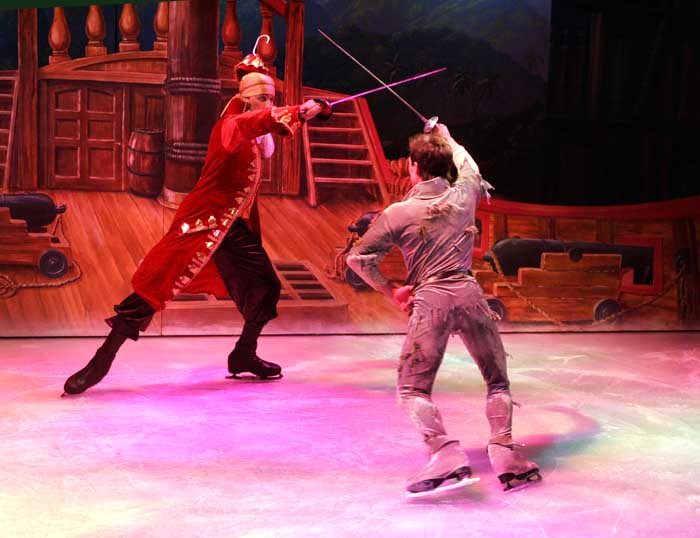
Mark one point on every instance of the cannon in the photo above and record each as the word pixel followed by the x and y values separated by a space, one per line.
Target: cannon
pixel 514 253
pixel 569 280
pixel 23 237
pixel 36 209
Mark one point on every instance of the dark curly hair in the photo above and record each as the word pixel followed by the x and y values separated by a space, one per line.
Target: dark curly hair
pixel 433 155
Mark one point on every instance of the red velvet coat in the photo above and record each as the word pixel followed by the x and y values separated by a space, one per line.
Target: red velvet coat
pixel 227 189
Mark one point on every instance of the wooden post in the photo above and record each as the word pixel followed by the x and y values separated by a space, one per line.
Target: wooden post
pixel 95 31
pixel 160 25
pixel 130 27
pixel 293 63
pixel 59 37
pixel 267 50
pixel 192 91
pixel 26 153
pixel 231 35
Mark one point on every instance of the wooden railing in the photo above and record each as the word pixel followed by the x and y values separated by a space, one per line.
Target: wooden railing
pixel 60 38
pixel 129 28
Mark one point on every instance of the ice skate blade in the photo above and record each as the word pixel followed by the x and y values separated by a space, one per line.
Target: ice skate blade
pixel 441 489
pixel 529 480
pixel 253 377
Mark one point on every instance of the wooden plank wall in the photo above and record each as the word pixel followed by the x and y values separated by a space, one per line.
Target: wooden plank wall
pixel 110 232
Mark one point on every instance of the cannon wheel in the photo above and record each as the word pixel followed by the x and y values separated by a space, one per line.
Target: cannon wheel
pixel 605 308
pixel 53 263
pixel 497 306
pixel 352 278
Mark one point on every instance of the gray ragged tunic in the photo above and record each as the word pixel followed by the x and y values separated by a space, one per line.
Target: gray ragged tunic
pixel 433 226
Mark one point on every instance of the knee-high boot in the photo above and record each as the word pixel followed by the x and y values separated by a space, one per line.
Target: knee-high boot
pixel 95 370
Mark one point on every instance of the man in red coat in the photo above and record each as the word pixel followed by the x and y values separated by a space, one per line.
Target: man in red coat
pixel 214 241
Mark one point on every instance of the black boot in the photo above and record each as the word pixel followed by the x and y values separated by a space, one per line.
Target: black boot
pixel 243 359
pixel 95 370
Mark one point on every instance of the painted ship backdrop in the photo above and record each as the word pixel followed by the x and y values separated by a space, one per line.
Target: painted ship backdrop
pixel 104 123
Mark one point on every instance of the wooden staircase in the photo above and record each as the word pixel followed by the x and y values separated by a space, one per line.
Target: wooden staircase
pixel 306 304
pixel 8 111
pixel 343 150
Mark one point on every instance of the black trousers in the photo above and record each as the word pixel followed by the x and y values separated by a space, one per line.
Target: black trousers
pixel 244 267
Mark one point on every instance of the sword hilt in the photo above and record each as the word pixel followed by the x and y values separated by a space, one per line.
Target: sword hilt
pixel 326 109
pixel 430 124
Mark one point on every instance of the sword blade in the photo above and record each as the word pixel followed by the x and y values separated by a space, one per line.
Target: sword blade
pixel 387 86
pixel 422 118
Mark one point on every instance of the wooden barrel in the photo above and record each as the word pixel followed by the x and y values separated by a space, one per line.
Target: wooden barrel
pixel 144 162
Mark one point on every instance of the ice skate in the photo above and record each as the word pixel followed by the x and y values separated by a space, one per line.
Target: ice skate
pixel 513 469
pixel 95 370
pixel 240 362
pixel 89 376
pixel 447 470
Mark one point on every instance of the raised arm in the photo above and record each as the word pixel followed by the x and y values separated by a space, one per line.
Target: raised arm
pixel 464 162
pixel 467 169
pixel 238 129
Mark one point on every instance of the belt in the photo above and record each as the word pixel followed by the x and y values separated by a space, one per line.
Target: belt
pixel 443 275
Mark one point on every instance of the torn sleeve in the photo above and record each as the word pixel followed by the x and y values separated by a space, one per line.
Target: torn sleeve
pixel 468 171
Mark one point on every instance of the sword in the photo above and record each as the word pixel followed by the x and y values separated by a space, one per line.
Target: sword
pixel 326 105
pixel 428 124
pixel 387 86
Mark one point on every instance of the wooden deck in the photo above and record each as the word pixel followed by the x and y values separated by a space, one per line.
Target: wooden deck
pixel 109 232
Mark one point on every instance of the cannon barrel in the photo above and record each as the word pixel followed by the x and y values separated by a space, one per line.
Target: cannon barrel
pixel 362 224
pixel 514 253
pixel 37 209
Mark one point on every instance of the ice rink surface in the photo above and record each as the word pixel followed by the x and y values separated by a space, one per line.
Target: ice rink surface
pixel 166 447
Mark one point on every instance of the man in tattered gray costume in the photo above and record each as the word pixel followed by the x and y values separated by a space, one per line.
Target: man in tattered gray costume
pixel 434 226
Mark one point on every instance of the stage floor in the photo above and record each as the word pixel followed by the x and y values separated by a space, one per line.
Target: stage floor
pixel 166 447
